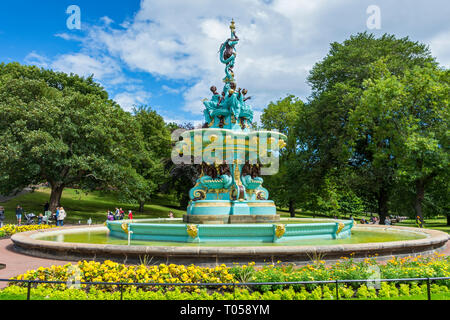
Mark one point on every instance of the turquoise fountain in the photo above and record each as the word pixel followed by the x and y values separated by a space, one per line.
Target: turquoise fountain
pixel 228 201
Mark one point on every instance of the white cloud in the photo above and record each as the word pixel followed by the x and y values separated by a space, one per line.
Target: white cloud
pixel 172 90
pixel 440 47
pixel 180 40
pixel 102 67
pixel 280 42
pixel 129 100
pixel 36 59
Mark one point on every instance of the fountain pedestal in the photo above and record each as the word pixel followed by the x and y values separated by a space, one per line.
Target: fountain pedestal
pixel 224 211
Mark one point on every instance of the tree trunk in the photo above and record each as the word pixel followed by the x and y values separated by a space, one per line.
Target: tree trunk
pixel 383 209
pixel 55 196
pixel 141 206
pixel 292 208
pixel 448 219
pixel 420 195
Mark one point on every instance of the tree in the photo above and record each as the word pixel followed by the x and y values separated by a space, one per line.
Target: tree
pixel 150 163
pixel 407 120
pixel 283 116
pixel 338 83
pixel 61 129
pixel 182 175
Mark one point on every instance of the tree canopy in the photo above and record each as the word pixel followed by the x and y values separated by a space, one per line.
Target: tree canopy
pixel 61 129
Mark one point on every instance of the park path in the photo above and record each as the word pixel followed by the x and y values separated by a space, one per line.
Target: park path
pixel 17 263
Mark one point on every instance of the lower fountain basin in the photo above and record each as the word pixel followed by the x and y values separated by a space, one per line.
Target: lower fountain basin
pixel 263 232
pixel 95 242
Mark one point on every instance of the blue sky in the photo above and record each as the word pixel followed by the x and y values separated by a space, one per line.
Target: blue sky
pixel 164 53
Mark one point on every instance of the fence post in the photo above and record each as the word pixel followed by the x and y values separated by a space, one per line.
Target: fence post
pixel 29 290
pixel 428 289
pixel 337 290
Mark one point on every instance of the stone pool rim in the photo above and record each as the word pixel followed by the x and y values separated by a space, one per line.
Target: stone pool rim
pixel 25 243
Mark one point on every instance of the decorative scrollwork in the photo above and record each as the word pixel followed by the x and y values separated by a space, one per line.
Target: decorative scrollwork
pixel 124 227
pixel 200 194
pixel 261 195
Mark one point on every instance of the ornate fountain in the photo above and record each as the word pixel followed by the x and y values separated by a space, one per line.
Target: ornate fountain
pixel 228 201
pixel 232 155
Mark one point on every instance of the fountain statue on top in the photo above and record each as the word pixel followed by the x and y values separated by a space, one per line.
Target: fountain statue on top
pixel 229 189
pixel 229 109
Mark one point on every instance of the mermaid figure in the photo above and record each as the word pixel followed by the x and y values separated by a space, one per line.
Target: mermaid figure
pixel 246 111
pixel 228 54
pixel 212 104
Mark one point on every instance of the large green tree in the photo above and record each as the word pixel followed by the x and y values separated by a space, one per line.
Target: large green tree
pixel 284 116
pixel 338 83
pixel 150 163
pixel 407 119
pixel 61 129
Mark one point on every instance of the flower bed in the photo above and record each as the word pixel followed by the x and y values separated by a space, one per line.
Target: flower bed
pixel 345 269
pixel 10 229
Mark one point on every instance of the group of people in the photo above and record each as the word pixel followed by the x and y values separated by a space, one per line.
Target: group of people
pixel 375 220
pixel 118 214
pixel 59 215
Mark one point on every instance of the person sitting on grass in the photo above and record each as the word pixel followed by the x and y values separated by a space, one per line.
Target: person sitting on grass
pixel 110 216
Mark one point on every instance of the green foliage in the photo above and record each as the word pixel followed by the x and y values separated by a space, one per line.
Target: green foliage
pixel 373 135
pixel 62 129
pixel 148 165
pixel 285 116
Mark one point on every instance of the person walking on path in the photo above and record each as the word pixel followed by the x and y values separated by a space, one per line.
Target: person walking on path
pixel 130 215
pixel 19 213
pixel 61 217
pixel 2 216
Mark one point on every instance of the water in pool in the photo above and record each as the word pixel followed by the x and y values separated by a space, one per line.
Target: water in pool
pixel 358 236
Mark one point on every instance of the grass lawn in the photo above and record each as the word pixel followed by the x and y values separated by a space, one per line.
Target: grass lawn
pixel 81 206
pixel 439 223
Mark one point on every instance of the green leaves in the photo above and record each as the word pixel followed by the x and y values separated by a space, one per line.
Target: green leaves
pixel 61 129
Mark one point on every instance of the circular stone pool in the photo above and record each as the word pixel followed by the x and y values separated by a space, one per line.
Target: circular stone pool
pixel 95 242
pixel 224 234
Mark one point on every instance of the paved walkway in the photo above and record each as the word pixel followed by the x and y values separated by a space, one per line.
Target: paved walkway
pixel 17 263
